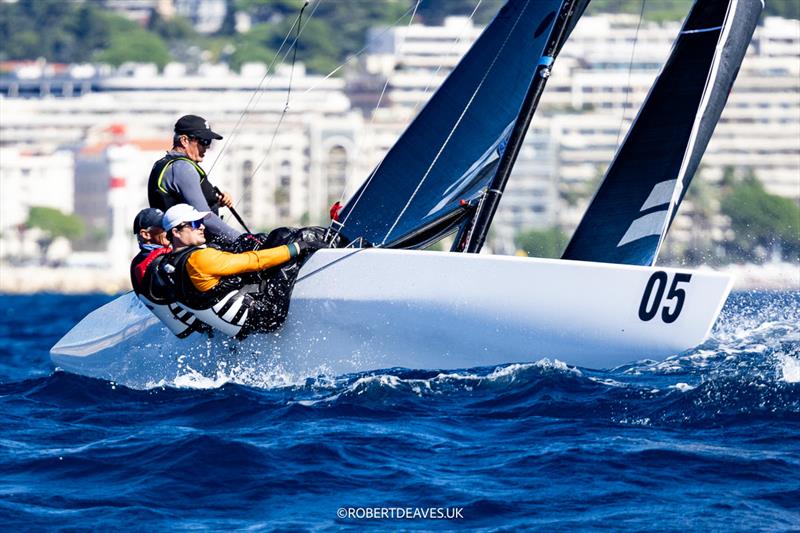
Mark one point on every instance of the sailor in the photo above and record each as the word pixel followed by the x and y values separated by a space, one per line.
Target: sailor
pixel 153 247
pixel 219 287
pixel 178 178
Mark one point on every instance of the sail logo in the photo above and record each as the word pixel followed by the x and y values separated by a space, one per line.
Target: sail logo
pixel 651 223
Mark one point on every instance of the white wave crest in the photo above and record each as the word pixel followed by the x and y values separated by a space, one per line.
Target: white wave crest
pixel 443 382
pixel 789 368
pixel 193 379
pixel 682 387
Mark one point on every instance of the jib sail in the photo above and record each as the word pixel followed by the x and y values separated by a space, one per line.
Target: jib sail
pixel 631 212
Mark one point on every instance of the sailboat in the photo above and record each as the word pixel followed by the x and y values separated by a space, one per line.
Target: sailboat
pixel 383 302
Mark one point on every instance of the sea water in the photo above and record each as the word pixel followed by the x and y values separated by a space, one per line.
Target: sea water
pixel 705 440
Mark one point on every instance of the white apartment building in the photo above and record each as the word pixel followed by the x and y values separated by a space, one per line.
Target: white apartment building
pixel 759 128
pixel 281 160
pixel 206 16
pixel 31 178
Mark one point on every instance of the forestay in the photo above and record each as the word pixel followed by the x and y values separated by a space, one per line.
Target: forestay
pixel 450 151
pixel 629 216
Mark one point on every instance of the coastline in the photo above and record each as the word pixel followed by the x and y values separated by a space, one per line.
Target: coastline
pixel 66 280
pixel 85 280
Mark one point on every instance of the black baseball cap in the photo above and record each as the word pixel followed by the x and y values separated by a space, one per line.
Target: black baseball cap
pixel 196 127
pixel 147 218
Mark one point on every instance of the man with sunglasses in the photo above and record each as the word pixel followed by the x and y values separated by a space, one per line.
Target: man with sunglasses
pixel 222 288
pixel 154 245
pixel 178 178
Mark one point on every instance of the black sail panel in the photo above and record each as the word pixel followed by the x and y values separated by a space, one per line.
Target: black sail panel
pixel 447 153
pixel 631 212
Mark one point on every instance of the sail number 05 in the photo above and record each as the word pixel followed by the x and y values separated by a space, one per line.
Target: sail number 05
pixel 654 295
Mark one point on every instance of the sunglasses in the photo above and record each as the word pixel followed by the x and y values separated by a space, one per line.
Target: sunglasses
pixel 202 142
pixel 194 224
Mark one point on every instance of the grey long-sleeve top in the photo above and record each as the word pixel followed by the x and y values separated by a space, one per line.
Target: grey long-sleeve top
pixel 181 177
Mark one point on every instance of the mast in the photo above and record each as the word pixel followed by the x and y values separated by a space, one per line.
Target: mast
pixel 487 207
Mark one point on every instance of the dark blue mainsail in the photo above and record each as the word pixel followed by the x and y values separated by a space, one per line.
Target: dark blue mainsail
pixel 629 216
pixel 450 151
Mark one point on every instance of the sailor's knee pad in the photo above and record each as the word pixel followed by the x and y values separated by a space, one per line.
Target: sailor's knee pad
pixel 280 236
pixel 248 242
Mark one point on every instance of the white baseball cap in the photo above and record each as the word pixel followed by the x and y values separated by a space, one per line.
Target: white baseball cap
pixel 180 213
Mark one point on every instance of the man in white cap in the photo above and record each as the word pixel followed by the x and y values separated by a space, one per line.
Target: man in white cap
pixel 212 283
pixel 153 246
pixel 178 178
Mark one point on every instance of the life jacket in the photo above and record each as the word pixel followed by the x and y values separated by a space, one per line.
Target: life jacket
pixel 155 296
pixel 161 198
pixel 224 308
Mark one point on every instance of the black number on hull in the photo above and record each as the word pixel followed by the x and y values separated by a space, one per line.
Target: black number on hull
pixel 651 303
pixel 648 313
pixel 679 295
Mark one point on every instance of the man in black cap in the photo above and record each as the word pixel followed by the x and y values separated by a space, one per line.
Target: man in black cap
pixel 153 241
pixel 177 177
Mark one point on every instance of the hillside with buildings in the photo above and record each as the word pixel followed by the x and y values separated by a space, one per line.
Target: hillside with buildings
pixel 236 32
pixel 80 137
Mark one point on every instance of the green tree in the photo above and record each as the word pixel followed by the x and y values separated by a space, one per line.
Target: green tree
pixel 700 207
pixel 138 46
pixel 228 27
pixel 249 51
pixel 435 12
pixel 77 31
pixel 677 9
pixel 269 10
pixel 34 29
pixel 327 38
pixel 761 221
pixel 171 29
pixel 55 223
pixel 783 8
pixel 542 243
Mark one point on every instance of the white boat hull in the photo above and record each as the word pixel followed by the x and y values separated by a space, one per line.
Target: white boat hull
pixel 357 310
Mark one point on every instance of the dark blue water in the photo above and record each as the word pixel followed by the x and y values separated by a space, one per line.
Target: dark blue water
pixel 707 440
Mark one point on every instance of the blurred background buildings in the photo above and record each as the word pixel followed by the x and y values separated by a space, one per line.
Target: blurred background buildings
pixel 81 138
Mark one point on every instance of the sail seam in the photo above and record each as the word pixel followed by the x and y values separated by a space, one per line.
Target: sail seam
pixel 701 30
pixel 456 125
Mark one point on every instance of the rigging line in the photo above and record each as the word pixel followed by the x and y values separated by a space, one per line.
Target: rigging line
pixel 375 171
pixel 300 28
pixel 630 69
pixel 294 54
pixel 257 90
pixel 357 54
pixel 380 98
pixel 455 126
pixel 328 265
